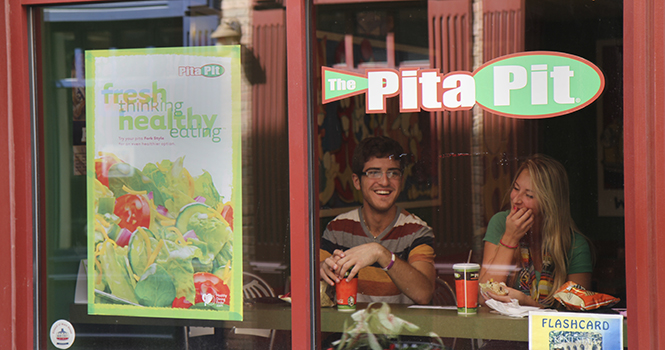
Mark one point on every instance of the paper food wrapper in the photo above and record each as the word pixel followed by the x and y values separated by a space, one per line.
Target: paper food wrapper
pixel 327 295
pixel 512 309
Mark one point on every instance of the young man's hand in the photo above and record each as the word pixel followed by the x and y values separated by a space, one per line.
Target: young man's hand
pixel 329 267
pixel 361 256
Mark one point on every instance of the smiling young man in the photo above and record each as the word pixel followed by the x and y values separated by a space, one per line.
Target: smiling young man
pixel 390 249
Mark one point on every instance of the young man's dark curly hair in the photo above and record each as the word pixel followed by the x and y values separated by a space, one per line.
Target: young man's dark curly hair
pixel 379 147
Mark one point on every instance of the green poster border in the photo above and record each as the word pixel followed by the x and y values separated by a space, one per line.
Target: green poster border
pixel 236 308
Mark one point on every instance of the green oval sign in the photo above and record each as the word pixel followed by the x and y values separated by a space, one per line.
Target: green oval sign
pixel 212 70
pixel 538 84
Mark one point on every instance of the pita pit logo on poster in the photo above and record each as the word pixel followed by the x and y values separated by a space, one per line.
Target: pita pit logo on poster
pixel 527 85
pixel 209 71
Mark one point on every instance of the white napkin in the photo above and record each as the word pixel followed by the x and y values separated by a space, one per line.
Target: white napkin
pixel 512 309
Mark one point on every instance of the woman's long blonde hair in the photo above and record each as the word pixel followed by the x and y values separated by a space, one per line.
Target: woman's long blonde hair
pixel 550 184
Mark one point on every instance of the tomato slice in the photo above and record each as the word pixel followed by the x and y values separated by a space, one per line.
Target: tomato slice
pixel 133 211
pixel 227 214
pixel 211 289
pixel 102 166
pixel 181 303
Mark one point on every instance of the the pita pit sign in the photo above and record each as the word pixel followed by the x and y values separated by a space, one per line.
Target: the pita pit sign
pixel 527 85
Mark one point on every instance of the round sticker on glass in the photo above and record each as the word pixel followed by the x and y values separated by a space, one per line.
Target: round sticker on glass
pixel 62 334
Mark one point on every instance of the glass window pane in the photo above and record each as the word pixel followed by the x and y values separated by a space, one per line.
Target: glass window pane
pixel 462 163
pixel 65 34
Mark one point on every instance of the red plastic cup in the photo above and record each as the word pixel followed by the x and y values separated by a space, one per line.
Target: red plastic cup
pixel 466 287
pixel 346 294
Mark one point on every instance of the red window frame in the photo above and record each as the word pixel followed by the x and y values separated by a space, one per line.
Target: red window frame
pixel 644 144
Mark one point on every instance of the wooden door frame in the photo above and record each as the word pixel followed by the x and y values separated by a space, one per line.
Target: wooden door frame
pixel 644 169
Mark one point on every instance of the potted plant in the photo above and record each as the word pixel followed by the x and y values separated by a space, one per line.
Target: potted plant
pixel 376 328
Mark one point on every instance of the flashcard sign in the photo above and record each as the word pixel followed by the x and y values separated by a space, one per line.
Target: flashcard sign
pixel 568 330
pixel 164 182
pixel 527 85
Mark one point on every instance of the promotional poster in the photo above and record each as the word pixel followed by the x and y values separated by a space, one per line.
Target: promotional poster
pixel 164 182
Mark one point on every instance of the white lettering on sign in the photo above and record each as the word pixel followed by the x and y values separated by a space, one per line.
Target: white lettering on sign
pixel 420 89
pixel 539 89
pixel 506 79
pixel 509 78
pixel 429 81
pixel 341 84
pixel 561 84
pixel 409 99
pixel 380 85
pixel 212 70
pixel 460 91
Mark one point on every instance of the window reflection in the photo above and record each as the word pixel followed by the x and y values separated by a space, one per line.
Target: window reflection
pixel 463 163
pixel 66 32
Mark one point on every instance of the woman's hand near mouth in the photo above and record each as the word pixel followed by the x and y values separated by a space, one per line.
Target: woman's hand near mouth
pixel 518 223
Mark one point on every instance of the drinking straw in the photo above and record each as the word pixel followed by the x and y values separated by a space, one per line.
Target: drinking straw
pixel 469 259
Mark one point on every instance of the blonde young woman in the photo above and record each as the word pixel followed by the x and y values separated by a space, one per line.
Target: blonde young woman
pixel 535 247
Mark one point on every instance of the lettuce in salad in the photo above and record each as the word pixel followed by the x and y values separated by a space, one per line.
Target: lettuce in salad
pixel 186 234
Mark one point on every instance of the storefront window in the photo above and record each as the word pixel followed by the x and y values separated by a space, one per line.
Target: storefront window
pixel 64 35
pixel 462 163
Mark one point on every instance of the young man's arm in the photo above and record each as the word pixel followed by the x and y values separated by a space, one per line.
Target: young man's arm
pixel 416 280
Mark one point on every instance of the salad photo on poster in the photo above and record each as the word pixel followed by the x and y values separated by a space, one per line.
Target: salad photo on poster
pixel 164 182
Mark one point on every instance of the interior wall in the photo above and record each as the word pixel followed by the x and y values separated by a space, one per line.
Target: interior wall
pixel 573 139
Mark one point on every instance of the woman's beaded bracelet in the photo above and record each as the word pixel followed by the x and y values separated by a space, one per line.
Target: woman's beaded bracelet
pixel 507 246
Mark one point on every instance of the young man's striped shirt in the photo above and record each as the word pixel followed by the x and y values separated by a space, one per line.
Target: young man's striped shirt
pixel 409 237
